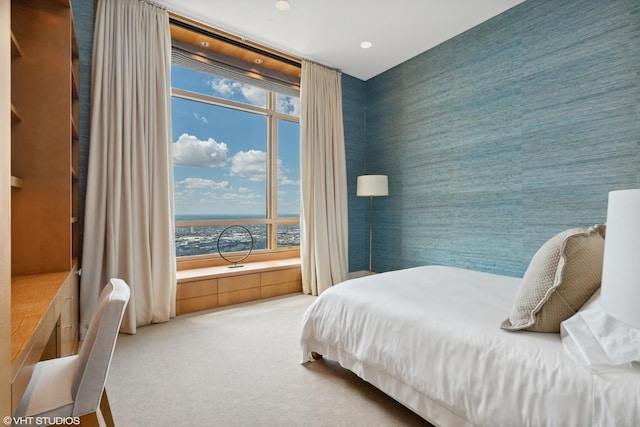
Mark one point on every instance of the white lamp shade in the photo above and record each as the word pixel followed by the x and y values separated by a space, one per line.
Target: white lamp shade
pixel 373 185
pixel 621 265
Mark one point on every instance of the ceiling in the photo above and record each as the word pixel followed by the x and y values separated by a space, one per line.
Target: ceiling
pixel 330 31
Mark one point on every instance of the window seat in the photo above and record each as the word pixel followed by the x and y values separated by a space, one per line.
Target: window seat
pixel 210 287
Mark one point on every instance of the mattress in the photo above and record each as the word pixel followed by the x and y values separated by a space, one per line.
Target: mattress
pixel 430 337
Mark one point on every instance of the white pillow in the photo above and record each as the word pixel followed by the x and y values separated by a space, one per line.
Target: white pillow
pixel 594 338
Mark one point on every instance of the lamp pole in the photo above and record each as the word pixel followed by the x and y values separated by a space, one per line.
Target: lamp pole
pixel 370 230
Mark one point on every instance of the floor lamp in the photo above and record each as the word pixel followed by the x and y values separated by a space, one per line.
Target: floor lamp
pixel 371 186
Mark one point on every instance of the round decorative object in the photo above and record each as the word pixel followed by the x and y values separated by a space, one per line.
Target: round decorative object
pixel 234 233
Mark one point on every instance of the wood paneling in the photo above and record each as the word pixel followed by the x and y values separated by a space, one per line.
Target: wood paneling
pixel 5 200
pixel 236 297
pixel 236 283
pixel 190 305
pixel 197 289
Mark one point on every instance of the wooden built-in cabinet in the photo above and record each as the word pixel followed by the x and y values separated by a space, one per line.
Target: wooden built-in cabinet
pixel 43 180
pixel 204 288
pixel 44 147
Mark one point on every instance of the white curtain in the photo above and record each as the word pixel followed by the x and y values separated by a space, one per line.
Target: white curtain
pixel 323 221
pixel 128 228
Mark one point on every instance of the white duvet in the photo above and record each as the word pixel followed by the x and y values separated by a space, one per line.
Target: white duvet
pixel 430 337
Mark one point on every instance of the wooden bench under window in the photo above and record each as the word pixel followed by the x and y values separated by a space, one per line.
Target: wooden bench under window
pixel 210 287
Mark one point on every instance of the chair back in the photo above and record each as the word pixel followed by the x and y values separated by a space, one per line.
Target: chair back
pixel 97 348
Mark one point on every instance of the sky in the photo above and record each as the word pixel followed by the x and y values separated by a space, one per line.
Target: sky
pixel 219 154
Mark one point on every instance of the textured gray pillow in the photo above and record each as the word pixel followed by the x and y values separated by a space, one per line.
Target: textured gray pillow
pixel 561 277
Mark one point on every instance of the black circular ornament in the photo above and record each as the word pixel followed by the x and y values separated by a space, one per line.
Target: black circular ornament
pixel 242 256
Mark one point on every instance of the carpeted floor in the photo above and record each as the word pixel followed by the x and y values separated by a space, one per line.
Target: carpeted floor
pixel 239 366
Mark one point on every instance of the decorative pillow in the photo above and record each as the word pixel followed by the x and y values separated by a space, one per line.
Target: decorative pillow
pixel 561 277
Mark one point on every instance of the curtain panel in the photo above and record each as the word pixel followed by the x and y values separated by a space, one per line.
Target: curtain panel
pixel 128 229
pixel 323 220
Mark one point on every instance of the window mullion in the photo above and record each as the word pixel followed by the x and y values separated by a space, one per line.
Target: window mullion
pixel 273 173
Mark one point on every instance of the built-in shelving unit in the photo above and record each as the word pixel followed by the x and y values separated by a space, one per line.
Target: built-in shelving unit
pixel 44 176
pixel 44 135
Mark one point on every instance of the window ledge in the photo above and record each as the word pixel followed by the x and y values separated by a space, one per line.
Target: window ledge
pixel 196 274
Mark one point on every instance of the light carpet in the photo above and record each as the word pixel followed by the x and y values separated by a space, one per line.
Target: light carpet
pixel 239 366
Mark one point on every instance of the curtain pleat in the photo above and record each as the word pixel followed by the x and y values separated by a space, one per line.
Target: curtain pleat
pixel 323 219
pixel 128 228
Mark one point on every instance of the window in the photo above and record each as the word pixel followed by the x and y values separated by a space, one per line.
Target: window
pixel 236 158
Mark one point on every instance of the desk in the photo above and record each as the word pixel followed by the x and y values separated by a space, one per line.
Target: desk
pixel 37 303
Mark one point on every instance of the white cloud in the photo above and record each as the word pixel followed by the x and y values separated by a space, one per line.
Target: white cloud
pixel 226 88
pixel 234 196
pixel 201 183
pixel 255 95
pixel 282 177
pixel 250 164
pixel 289 105
pixel 189 151
pixel 283 180
pixel 201 118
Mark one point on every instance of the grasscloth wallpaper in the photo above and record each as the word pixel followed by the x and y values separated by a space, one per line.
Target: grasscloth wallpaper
pixel 499 138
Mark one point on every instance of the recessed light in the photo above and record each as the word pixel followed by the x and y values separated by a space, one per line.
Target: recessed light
pixel 205 44
pixel 258 61
pixel 282 5
pixel 366 45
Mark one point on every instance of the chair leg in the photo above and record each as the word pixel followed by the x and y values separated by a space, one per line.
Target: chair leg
pixel 102 417
pixel 90 420
pixel 105 408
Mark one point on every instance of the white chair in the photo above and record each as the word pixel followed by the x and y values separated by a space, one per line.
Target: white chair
pixel 73 386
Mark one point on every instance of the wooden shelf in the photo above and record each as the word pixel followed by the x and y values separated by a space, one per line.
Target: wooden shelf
pixel 74 129
pixel 74 84
pixel 16 51
pixel 16 182
pixel 15 116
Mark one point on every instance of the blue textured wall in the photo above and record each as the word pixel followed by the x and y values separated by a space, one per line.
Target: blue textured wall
pixel 83 15
pixel 353 106
pixel 503 136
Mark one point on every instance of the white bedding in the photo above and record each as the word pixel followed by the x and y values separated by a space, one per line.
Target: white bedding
pixel 430 337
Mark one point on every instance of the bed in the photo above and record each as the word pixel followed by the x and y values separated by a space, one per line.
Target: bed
pixel 430 337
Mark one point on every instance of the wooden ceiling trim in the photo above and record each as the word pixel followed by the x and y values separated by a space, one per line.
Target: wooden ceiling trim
pixel 194 33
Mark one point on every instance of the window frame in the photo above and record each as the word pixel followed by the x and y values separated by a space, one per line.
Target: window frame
pixel 272 252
